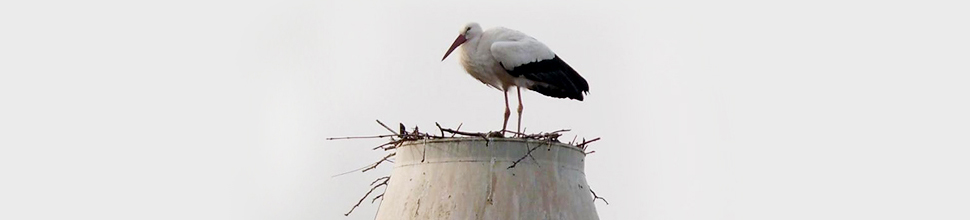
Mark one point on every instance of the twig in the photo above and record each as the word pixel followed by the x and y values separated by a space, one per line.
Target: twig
pixel 547 136
pixel 440 129
pixel 513 132
pixel 456 129
pixel 560 130
pixel 388 128
pixel 376 197
pixel 379 162
pixel 386 178
pixel 527 154
pixel 589 141
pixel 597 197
pixel 396 144
pixel 583 145
pixel 482 135
pixel 462 132
pixel 534 159
pixel 355 170
pixel 361 137
pixel 385 144
pixel 551 132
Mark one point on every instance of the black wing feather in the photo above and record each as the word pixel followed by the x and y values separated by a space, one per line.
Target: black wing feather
pixel 554 78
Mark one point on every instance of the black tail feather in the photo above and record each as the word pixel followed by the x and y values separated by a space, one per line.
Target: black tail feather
pixel 553 78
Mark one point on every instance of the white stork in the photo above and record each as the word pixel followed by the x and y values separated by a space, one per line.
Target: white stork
pixel 503 58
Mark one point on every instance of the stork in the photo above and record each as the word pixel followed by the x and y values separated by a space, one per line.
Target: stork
pixel 504 58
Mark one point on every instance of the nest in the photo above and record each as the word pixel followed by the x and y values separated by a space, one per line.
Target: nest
pixel 402 135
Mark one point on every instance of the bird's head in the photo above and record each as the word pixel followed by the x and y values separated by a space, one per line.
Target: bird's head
pixel 468 32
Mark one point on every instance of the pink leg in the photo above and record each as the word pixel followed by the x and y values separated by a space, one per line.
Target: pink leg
pixel 507 112
pixel 518 128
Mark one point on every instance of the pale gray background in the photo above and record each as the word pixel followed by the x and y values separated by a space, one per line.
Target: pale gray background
pixel 707 109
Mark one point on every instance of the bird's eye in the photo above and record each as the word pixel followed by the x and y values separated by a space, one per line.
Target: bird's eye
pixel 468 28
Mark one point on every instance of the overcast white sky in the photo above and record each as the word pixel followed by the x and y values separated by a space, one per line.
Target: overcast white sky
pixel 707 109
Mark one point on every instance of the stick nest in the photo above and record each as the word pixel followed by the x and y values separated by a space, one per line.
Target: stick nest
pixel 402 135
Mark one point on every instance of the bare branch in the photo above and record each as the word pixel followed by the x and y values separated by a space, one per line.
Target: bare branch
pixel 560 131
pixel 385 144
pixel 440 129
pixel 463 133
pixel 386 178
pixel 484 136
pixel 397 144
pixel 527 154
pixel 379 162
pixel 583 145
pixel 360 137
pixel 376 197
pixel 513 132
pixel 388 128
pixel 355 170
pixel 546 136
pixel 379 179
pixel 456 129
pixel 597 197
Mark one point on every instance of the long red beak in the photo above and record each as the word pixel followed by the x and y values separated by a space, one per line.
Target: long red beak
pixel 458 42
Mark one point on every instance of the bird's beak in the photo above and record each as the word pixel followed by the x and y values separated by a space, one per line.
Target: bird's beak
pixel 458 42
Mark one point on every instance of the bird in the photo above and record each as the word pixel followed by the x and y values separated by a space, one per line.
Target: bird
pixel 503 58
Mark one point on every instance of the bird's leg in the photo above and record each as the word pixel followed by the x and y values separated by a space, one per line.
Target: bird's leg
pixel 518 128
pixel 507 112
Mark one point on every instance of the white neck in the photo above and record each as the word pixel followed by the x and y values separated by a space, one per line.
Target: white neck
pixel 470 46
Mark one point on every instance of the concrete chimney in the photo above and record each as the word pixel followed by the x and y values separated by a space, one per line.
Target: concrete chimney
pixel 462 178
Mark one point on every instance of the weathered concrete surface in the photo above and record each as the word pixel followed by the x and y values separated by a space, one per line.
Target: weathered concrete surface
pixel 461 178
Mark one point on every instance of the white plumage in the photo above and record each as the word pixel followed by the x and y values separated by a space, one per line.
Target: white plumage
pixel 503 58
pixel 515 53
